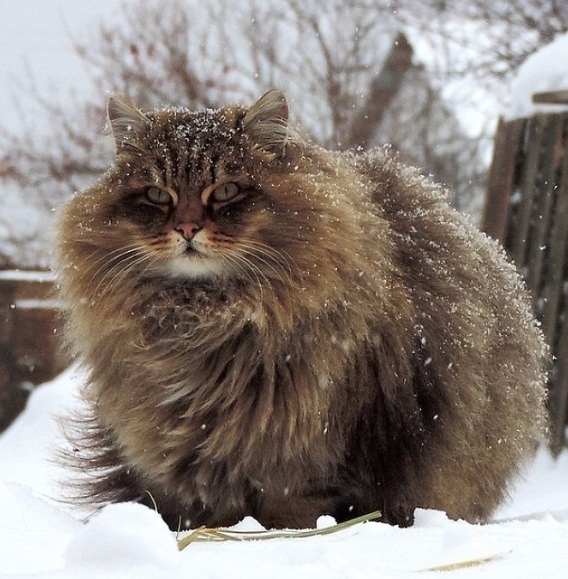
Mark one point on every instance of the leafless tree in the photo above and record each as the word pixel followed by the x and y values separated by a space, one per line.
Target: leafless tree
pixel 486 39
pixel 335 59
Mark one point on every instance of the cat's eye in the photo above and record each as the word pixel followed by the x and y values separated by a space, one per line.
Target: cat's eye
pixel 158 196
pixel 225 192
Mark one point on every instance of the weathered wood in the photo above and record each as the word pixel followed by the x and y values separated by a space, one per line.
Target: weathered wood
pixel 540 218
pixel 29 349
pixel 555 299
pixel 518 237
pixel 556 97
pixel 557 255
pixel 534 230
pixel 496 211
pixel 558 395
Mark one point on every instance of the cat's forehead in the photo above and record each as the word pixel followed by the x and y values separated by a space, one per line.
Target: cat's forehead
pixel 179 124
pixel 187 146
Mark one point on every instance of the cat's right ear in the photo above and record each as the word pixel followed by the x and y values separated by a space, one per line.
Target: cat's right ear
pixel 126 121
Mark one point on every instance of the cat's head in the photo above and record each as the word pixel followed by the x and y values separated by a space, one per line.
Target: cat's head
pixel 189 187
pixel 232 192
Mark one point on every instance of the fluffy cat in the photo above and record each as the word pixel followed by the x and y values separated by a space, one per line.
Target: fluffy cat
pixel 276 330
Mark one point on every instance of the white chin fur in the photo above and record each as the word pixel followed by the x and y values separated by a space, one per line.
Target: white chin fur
pixel 195 267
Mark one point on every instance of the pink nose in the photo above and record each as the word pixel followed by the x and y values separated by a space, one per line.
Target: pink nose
pixel 188 230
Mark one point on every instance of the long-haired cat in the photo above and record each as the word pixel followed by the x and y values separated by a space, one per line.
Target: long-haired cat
pixel 280 331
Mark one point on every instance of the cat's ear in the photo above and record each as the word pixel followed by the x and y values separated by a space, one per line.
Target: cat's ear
pixel 127 122
pixel 266 122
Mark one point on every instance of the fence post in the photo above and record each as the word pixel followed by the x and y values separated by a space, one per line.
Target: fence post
pixel 526 208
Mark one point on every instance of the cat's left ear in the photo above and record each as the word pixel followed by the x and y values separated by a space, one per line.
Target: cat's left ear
pixel 127 122
pixel 266 122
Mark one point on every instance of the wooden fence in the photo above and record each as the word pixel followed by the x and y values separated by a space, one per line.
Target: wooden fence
pixel 527 209
pixel 29 349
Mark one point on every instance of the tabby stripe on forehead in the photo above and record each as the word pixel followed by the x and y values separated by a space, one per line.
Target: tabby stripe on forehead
pixel 186 156
pixel 213 166
pixel 164 168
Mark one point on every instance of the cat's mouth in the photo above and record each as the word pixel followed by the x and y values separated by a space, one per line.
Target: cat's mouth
pixel 191 250
pixel 193 261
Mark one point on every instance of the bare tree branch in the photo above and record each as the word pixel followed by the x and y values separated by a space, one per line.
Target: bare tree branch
pixel 329 56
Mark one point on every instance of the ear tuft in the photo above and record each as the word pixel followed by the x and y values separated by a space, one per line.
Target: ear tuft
pixel 126 121
pixel 266 122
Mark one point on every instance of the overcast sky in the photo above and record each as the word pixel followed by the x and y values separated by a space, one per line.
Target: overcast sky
pixel 39 34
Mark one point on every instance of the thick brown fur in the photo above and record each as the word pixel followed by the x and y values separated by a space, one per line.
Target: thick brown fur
pixel 334 339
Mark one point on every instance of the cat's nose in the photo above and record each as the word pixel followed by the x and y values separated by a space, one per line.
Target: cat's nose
pixel 188 230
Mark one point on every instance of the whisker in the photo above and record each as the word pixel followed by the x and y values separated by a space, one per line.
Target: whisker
pixel 107 257
pixel 121 255
pixel 280 257
pixel 283 258
pixel 243 265
pixel 259 257
pixel 252 272
pixel 271 258
pixel 122 269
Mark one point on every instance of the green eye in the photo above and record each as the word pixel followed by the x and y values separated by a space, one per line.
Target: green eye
pixel 158 196
pixel 225 192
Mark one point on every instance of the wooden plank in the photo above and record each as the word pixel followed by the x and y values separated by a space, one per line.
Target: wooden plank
pixel 555 314
pixel 558 251
pixel 541 217
pixel 535 232
pixel 518 240
pixel 558 394
pixel 556 97
pixel 500 181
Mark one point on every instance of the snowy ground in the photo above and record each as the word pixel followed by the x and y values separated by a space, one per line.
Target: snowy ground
pixel 41 538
